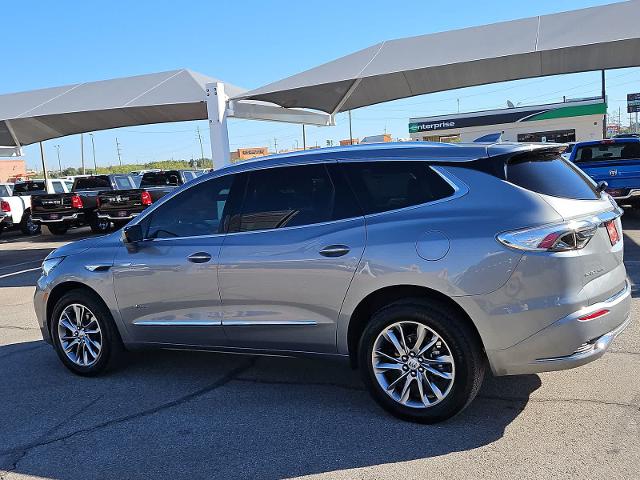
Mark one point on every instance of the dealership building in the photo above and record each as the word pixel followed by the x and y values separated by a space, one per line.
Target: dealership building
pixel 570 121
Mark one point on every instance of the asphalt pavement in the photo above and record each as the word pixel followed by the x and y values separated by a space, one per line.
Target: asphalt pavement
pixel 206 415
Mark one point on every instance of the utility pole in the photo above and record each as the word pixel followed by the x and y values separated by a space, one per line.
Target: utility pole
pixel 84 172
pixel 44 167
pixel 604 99
pixel 275 145
pixel 118 151
pixel 304 138
pixel 350 130
pixel 59 164
pixel 201 149
pixel 93 147
pixel 458 100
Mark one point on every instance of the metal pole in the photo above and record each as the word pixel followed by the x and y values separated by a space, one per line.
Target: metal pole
pixel 118 150
pixel 304 138
pixel 636 126
pixel 84 172
pixel 350 130
pixel 201 149
pixel 59 164
pixel 93 147
pixel 44 167
pixel 604 99
pixel 217 101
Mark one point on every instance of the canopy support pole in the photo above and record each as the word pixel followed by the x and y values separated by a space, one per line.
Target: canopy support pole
pixel 217 102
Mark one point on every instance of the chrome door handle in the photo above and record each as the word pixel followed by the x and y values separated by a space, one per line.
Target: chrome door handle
pixel 334 251
pixel 199 257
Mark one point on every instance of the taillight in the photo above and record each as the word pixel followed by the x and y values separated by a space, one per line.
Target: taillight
pixel 146 198
pixel 98 202
pixel 76 201
pixel 594 315
pixel 561 237
pixel 4 206
pixel 612 230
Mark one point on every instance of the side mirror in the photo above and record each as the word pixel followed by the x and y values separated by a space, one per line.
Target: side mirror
pixel 133 234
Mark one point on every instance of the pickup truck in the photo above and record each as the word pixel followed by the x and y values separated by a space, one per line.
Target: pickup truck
pixel 15 202
pixel 79 207
pixel 615 161
pixel 121 206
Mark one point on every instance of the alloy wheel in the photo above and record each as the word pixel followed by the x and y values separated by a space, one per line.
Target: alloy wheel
pixel 413 364
pixel 80 335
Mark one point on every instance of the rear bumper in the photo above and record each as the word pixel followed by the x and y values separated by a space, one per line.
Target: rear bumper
pixel 632 193
pixel 6 219
pixel 568 342
pixel 109 216
pixel 63 218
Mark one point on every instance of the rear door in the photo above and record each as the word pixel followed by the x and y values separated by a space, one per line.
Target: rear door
pixel 288 259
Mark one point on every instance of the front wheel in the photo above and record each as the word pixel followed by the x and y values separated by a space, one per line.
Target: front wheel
pixel 84 334
pixel 421 362
pixel 28 226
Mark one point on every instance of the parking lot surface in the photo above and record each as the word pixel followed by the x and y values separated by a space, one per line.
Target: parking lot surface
pixel 205 415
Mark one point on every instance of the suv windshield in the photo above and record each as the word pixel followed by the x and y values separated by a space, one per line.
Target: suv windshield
pixel 605 152
pixel 99 182
pixel 160 179
pixel 27 188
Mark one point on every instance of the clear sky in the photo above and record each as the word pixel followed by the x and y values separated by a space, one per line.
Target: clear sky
pixel 250 43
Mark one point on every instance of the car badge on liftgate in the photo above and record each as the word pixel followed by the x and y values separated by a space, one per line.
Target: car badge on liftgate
pixel 613 173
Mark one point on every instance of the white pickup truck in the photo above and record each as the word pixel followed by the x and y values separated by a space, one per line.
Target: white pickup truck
pixel 15 202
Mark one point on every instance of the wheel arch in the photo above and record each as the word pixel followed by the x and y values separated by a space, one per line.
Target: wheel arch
pixel 377 299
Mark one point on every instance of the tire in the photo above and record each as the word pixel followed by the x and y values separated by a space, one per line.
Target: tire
pixel 58 229
pixel 99 225
pixel 110 349
pixel 28 226
pixel 458 342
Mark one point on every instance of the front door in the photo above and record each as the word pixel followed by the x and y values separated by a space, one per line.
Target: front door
pixel 288 259
pixel 166 285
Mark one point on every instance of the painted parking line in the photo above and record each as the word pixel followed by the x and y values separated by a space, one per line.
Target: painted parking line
pixel 7 275
pixel 20 264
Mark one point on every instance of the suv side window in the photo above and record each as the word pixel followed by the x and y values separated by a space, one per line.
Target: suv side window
pixel 384 186
pixel 288 197
pixel 195 211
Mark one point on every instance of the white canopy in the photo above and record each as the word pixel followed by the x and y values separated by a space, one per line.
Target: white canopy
pixel 595 38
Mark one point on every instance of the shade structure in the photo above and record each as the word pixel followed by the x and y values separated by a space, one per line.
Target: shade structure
pixel 37 115
pixel 596 38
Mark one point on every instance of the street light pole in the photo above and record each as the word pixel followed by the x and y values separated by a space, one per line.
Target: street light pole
pixel 350 131
pixel 59 163
pixel 84 172
pixel 93 147
pixel 44 167
pixel 304 138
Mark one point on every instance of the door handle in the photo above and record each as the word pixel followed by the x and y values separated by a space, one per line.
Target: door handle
pixel 199 257
pixel 334 251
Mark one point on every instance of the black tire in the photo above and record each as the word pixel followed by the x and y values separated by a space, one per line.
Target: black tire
pixel 99 225
pixel 111 345
pixel 58 229
pixel 28 226
pixel 459 337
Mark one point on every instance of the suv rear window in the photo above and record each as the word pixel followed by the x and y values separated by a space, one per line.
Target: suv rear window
pixel 608 151
pixel 91 183
pixel 550 175
pixel 160 179
pixel 383 186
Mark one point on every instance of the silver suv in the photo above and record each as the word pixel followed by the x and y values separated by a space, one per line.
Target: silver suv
pixel 419 263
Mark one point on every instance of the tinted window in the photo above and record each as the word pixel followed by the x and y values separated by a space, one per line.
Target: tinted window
pixel 27 188
pixel 160 179
pixel 57 187
pixel 99 182
pixel 383 186
pixel 608 151
pixel 196 211
pixel 288 197
pixel 552 176
pixel 123 183
pixel 4 191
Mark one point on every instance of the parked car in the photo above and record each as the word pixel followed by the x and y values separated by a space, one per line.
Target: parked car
pixel 421 263
pixel 614 161
pixel 15 202
pixel 60 211
pixel 121 206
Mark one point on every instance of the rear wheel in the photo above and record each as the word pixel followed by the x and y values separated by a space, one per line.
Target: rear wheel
pixel 28 226
pixel 84 334
pixel 58 229
pixel 420 361
pixel 99 225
